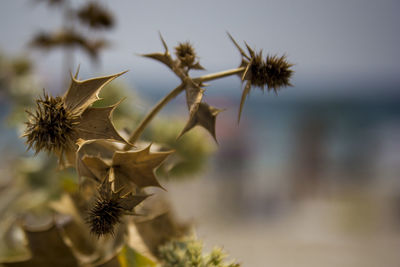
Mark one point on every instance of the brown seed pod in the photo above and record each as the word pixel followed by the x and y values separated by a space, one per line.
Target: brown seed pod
pixel 187 56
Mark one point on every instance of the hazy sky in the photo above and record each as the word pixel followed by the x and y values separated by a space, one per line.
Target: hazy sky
pixel 341 41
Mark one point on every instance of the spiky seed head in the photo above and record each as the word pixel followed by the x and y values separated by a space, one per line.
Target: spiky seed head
pixel 279 72
pixel 274 71
pixel 186 54
pixel 51 126
pixel 104 215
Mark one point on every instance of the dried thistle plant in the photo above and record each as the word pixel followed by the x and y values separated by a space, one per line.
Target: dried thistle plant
pixel 68 125
pixel 120 170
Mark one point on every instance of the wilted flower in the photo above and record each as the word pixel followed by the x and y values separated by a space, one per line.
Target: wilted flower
pixel 109 208
pixel 187 56
pixel 58 122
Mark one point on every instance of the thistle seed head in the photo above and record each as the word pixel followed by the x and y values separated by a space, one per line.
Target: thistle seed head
pixel 50 127
pixel 274 72
pixel 186 54
pixel 104 215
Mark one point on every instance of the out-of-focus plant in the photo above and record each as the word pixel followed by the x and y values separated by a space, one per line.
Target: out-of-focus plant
pixel 91 14
pixel 182 253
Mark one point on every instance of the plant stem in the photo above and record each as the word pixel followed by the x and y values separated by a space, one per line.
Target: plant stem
pixel 139 130
pixel 217 75
pixel 143 124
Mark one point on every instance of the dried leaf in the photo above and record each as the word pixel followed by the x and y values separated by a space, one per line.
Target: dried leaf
pixel 162 57
pixel 194 95
pixel 132 200
pixel 81 94
pixel 102 149
pixel 137 167
pixel 97 167
pixel 96 124
pixel 205 116
pixel 165 57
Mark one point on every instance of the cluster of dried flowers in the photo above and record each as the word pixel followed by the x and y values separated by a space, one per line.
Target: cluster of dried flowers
pixel 91 14
pixel 84 137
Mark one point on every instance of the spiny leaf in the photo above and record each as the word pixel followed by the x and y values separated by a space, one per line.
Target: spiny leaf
pixel 137 167
pixel 194 95
pixel 163 58
pixel 205 116
pixel 81 94
pixel 96 124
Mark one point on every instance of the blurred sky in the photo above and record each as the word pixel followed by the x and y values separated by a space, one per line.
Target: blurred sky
pixel 336 44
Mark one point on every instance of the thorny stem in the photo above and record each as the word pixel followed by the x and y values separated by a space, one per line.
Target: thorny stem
pixel 217 75
pixel 139 130
pixel 143 124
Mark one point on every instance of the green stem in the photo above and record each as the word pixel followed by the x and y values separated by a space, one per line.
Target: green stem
pixel 218 75
pixel 139 130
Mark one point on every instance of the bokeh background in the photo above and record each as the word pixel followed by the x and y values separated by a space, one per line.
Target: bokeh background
pixel 311 176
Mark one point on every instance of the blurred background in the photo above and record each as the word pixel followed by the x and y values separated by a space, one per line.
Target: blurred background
pixel 310 177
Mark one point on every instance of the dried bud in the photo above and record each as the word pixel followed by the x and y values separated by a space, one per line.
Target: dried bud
pixel 95 16
pixel 187 56
pixel 51 127
pixel 274 72
pixel 109 208
pixel 104 215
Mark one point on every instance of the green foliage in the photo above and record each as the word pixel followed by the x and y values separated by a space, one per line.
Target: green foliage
pixel 189 253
